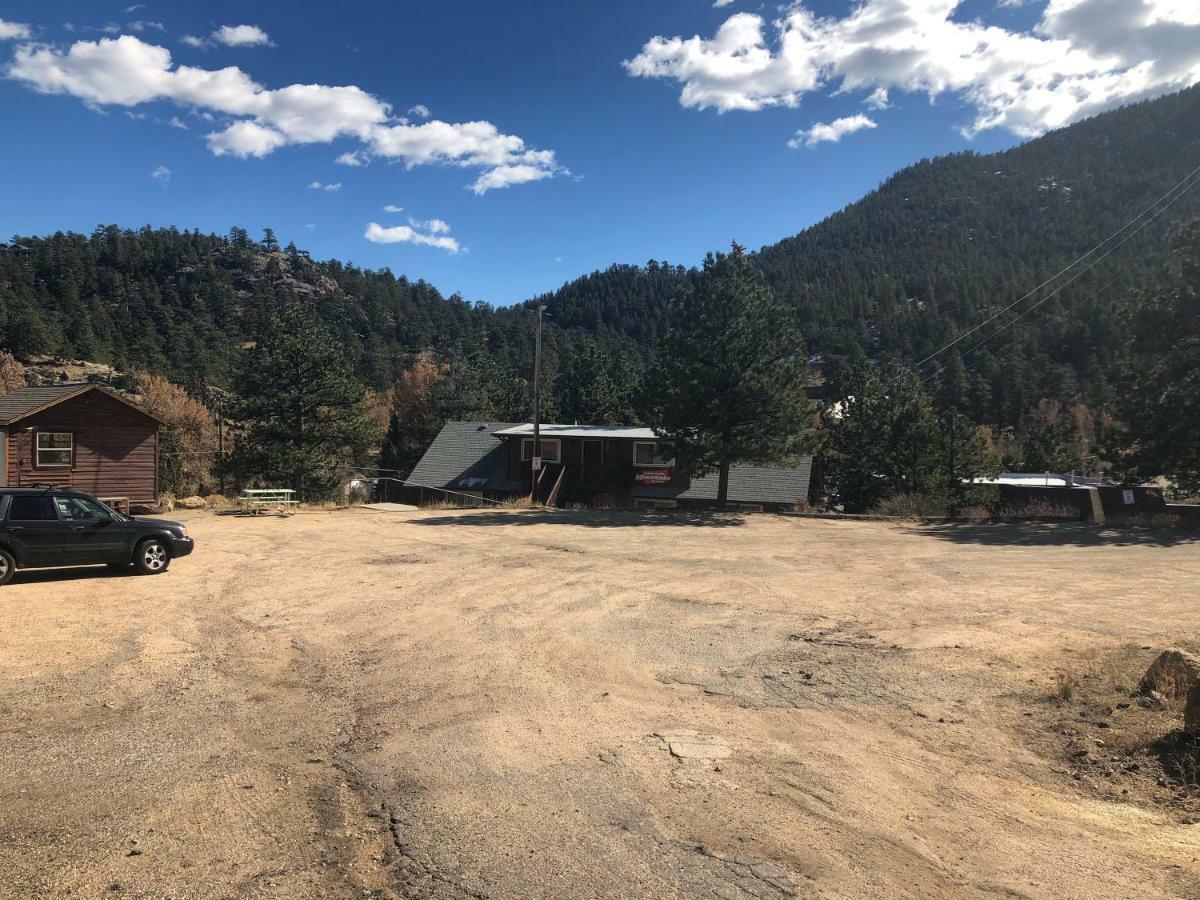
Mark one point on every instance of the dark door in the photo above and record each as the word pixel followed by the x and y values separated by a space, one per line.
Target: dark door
pixel 36 532
pixel 593 461
pixel 93 536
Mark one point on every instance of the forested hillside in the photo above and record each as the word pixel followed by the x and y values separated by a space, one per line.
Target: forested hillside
pixel 935 250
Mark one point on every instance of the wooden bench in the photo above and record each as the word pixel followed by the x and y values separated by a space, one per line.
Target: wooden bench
pixel 255 501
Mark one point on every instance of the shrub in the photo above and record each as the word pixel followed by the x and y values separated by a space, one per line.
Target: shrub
pixel 910 506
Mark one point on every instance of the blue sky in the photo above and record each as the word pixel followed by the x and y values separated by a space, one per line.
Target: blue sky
pixel 585 161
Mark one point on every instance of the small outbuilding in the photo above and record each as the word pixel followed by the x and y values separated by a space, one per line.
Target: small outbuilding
pixel 79 436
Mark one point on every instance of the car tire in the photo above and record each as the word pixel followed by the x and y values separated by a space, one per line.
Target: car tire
pixel 8 567
pixel 152 557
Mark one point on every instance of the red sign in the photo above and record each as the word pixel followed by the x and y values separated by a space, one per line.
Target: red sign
pixel 653 476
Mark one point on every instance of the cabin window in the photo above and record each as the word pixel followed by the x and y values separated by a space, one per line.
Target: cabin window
pixel 651 453
pixel 55 449
pixel 551 450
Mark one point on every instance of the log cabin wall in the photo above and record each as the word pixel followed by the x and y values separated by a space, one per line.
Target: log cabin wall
pixel 115 448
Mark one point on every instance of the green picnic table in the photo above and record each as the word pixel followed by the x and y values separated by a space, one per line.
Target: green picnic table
pixel 255 500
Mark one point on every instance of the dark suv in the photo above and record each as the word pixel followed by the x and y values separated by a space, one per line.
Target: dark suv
pixel 44 527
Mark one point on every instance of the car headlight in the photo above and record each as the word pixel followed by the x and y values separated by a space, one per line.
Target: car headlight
pixel 183 531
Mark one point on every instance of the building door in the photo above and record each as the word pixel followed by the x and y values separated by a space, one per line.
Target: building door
pixel 593 461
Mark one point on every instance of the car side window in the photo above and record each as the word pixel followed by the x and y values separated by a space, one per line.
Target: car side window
pixel 78 509
pixel 36 508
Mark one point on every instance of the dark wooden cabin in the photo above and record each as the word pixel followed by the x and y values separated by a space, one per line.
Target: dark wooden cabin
pixel 79 436
pixel 620 466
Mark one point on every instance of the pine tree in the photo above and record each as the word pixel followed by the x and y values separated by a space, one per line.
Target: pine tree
pixel 301 410
pixel 882 438
pixel 729 383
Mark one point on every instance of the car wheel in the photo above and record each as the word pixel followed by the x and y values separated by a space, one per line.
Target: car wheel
pixel 151 557
pixel 8 567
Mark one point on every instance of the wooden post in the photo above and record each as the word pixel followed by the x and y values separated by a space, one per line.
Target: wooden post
pixel 537 397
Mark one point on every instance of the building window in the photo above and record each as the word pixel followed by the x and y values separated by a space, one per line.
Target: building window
pixel 649 453
pixel 55 449
pixel 551 450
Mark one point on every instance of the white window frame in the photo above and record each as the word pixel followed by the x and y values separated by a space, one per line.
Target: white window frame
pixel 38 450
pixel 658 463
pixel 527 449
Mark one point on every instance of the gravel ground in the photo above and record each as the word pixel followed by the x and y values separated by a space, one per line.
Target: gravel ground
pixel 525 704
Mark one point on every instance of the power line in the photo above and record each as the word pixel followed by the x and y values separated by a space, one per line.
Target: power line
pixel 1182 186
pixel 1091 265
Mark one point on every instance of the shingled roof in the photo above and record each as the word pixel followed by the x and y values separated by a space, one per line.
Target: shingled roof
pixel 23 402
pixel 466 455
pixel 747 484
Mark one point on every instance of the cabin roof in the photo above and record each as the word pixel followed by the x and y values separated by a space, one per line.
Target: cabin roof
pixel 24 402
pixel 747 484
pixel 634 432
pixel 466 456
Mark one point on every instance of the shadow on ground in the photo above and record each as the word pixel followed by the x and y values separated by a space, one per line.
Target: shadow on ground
pixel 75 573
pixel 589 518
pixel 1055 534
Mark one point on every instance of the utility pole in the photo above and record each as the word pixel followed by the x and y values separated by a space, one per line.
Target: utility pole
pixel 536 462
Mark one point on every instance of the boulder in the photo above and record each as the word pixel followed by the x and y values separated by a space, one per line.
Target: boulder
pixel 1191 712
pixel 1174 673
pixel 193 502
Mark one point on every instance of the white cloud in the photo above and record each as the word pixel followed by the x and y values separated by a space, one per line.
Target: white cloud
pixel 310 226
pixel 245 138
pixel 879 99
pixel 393 208
pixel 352 158
pixel 140 26
pixel 507 176
pixel 192 41
pixel 331 188
pixel 241 36
pixel 161 174
pixel 433 226
pixel 719 4
pixel 1082 57
pixel 407 234
pixel 176 122
pixel 421 111
pixel 14 31
pixel 126 71
pixel 830 132
pixel 135 7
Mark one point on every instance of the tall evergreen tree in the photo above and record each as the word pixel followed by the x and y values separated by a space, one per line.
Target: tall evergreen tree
pixel 301 410
pixel 885 437
pixel 730 377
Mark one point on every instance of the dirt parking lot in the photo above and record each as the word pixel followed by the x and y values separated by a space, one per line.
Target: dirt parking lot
pixel 524 704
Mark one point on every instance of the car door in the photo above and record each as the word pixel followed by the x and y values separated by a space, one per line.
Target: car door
pixel 37 533
pixel 93 535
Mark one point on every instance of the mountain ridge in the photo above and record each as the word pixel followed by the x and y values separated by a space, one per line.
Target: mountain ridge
pixel 935 249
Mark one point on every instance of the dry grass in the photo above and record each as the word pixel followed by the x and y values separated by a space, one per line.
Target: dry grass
pixel 1067 684
pixel 910 506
